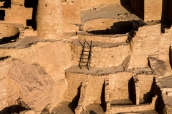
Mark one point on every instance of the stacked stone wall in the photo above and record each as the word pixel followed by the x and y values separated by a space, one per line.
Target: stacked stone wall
pixel 102 57
pixel 119 85
pixel 152 10
pixel 94 87
pixel 18 14
pixel 145 82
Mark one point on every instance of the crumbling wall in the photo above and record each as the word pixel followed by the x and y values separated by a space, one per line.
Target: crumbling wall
pixel 152 10
pixel 119 85
pixel 145 82
pixel 8 30
pixel 138 6
pixel 46 55
pixel 147 41
pixel 94 87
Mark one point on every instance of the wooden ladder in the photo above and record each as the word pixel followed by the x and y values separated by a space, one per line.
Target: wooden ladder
pixel 85 54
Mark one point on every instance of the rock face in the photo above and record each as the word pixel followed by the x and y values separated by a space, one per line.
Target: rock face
pixel 160 68
pixel 30 86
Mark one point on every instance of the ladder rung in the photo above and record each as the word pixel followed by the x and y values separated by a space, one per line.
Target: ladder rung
pixel 83 65
pixel 84 58
pixel 83 62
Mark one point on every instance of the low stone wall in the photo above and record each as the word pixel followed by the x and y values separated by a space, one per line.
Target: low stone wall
pixel 83 99
pixel 8 30
pixel 133 108
pixel 102 57
pixel 94 87
pixel 103 38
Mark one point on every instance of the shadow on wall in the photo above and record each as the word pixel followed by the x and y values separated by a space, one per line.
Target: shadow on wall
pixel 32 4
pixel 92 112
pixel 5 40
pixel 103 101
pixel 75 100
pixel 159 103
pixel 126 5
pixel 122 27
pixel 131 91
pixel 164 17
pixel 170 56
pixel 134 6
pixel 12 109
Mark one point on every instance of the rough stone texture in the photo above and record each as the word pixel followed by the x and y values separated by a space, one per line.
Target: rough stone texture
pixel 18 14
pixel 40 54
pixel 168 109
pixel 71 17
pixel 87 4
pixel 49 19
pixel 118 85
pixel 103 57
pixel 126 45
pixel 104 38
pixel 160 68
pixel 152 7
pixel 27 112
pixel 94 87
pixel 149 41
pixel 30 84
pixel 146 83
pixel 98 24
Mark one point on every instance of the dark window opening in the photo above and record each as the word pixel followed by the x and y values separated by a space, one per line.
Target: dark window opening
pixel 32 4
pixel 2 14
pixel 7 3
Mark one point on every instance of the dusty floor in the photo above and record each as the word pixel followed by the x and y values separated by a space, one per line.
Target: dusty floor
pixel 107 12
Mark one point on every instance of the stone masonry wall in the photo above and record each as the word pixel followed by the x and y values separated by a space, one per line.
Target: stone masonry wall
pixel 49 19
pixel 119 85
pixel 90 4
pixel 94 87
pixel 102 57
pixel 133 108
pixel 152 10
pixel 18 14
pixel 145 82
